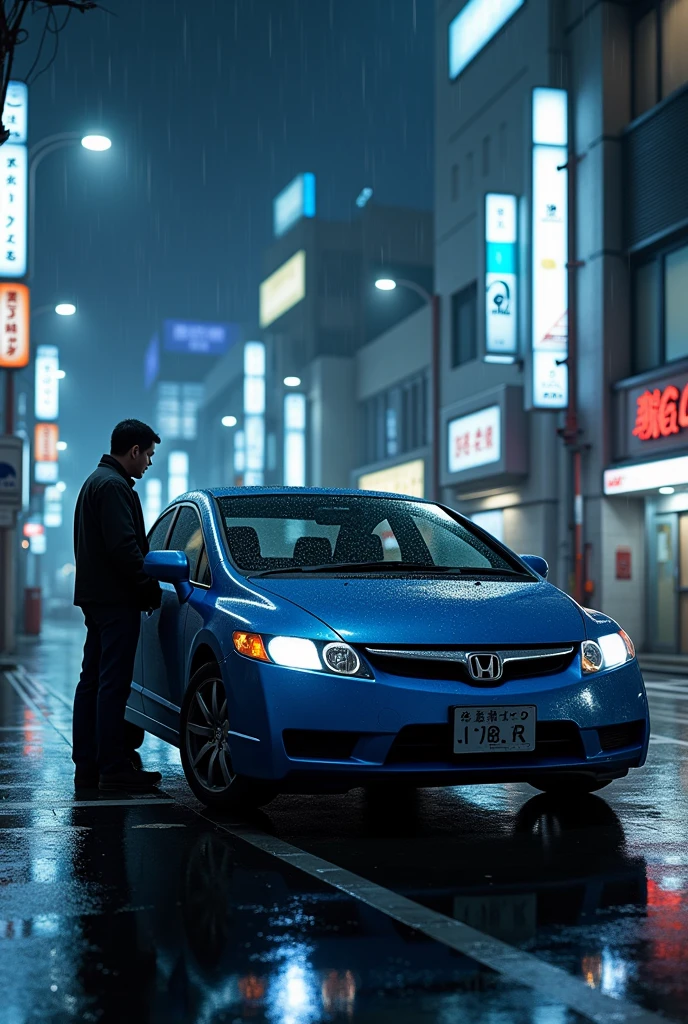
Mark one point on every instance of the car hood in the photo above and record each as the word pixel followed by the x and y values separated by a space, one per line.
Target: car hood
pixel 424 611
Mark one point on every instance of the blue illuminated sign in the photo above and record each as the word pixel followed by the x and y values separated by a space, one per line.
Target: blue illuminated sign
pixel 297 200
pixel 474 27
pixel 151 363
pixel 193 338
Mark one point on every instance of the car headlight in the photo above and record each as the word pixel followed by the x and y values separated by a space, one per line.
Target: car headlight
pixel 298 652
pixel 609 651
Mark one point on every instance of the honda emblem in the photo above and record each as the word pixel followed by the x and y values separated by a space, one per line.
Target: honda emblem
pixel 485 666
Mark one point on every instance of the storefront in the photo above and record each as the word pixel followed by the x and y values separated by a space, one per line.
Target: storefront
pixel 485 454
pixel 650 478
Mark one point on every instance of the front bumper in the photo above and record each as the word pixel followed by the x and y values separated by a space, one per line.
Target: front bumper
pixel 314 731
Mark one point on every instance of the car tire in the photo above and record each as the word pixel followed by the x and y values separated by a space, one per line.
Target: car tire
pixel 204 751
pixel 134 736
pixel 569 785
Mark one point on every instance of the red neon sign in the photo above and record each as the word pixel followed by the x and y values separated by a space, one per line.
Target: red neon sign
pixel 661 413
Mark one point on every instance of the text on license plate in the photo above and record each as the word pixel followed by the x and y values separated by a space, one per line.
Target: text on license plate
pixel 502 729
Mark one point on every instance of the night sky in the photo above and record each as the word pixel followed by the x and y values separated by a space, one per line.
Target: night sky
pixel 213 106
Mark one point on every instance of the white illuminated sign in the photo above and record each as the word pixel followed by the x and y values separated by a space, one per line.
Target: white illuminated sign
pixel 407 478
pixel 473 28
pixel 13 207
pixel 297 200
pixel 52 508
pixel 295 440
pixel 474 440
pixel 152 505
pixel 283 289
pixel 254 414
pixel 45 472
pixel 177 474
pixel 47 384
pixel 15 115
pixel 550 250
pixel 646 476
pixel 501 321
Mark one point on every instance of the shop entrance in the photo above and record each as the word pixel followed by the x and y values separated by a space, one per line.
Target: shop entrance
pixel 669 583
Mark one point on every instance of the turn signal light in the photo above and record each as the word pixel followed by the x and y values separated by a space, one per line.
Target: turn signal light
pixel 250 645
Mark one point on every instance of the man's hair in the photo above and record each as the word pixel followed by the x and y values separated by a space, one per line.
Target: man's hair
pixel 130 432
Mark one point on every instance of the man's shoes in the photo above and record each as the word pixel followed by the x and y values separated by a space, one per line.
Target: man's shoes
pixel 86 778
pixel 129 779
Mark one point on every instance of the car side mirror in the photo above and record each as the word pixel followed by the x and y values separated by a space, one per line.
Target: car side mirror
pixel 537 564
pixel 170 567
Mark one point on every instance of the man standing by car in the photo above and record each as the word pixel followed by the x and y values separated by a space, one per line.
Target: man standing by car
pixel 112 590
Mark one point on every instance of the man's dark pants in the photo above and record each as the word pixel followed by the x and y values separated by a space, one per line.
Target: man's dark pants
pixel 104 686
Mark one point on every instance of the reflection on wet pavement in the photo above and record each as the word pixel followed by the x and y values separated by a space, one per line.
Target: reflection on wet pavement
pixel 149 911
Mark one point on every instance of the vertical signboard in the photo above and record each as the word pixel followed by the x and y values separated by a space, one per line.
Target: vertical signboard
pixel 295 440
pixel 550 250
pixel 254 413
pixel 15 115
pixel 297 200
pixel 47 402
pixel 13 209
pixel 45 438
pixel 14 323
pixel 501 314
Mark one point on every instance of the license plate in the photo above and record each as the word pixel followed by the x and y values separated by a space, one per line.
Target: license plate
pixel 506 729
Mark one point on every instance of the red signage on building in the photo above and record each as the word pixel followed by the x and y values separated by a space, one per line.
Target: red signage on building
pixel 623 563
pixel 661 413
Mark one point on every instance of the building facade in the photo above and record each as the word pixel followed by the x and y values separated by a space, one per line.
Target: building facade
pixel 617 208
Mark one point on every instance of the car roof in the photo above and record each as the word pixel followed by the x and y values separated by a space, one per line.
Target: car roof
pixel 232 492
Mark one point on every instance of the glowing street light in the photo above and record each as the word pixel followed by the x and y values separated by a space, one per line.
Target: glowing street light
pixel 65 309
pixel 385 284
pixel 292 382
pixel 61 446
pixel 61 374
pixel 229 421
pixel 96 143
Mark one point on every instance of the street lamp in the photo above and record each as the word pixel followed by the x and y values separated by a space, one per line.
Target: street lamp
pixel 65 309
pixel 389 284
pixel 229 421
pixel 292 382
pixel 96 143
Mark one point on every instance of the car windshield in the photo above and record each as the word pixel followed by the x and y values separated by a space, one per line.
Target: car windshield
pixel 299 533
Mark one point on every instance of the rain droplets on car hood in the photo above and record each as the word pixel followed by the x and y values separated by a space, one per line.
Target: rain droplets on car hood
pixel 432 611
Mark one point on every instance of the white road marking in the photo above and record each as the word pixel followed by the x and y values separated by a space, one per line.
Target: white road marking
pixel 512 963
pixel 162 825
pixel 667 739
pixel 508 961
pixel 7 806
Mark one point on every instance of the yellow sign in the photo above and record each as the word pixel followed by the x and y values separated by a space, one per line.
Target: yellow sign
pixel 407 478
pixel 283 289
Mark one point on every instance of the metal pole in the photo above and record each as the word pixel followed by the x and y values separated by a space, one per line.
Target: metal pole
pixel 436 398
pixel 7 541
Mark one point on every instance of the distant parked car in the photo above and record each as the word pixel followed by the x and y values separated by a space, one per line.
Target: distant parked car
pixel 316 640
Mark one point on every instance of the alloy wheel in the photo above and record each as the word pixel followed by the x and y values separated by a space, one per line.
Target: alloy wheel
pixel 207 727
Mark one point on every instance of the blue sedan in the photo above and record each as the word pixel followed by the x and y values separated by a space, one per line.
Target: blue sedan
pixel 314 640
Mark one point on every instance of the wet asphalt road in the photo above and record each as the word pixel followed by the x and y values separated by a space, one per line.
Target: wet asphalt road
pixel 333 908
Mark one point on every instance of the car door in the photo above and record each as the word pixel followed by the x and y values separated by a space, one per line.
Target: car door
pixel 156 541
pixel 164 647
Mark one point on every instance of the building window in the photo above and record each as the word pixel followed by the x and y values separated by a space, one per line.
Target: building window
pixel 394 421
pixel 660 313
pixel 464 325
pixel 676 305
pixel 660 53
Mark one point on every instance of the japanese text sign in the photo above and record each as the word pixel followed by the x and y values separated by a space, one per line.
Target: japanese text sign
pixel 46 436
pixel 14 322
pixel 500 274
pixel 15 115
pixel 202 338
pixel 13 207
pixel 47 383
pixel 474 440
pixel 661 413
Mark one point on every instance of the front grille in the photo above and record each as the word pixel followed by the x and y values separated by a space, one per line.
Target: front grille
pixel 410 663
pixel 628 734
pixel 426 744
pixel 319 744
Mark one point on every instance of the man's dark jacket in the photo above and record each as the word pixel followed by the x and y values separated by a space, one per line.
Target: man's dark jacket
pixel 110 542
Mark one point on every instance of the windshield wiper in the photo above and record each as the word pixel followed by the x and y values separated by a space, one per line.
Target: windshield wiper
pixel 376 567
